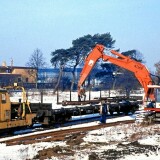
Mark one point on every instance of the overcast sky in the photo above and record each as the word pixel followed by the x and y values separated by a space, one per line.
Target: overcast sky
pixel 26 25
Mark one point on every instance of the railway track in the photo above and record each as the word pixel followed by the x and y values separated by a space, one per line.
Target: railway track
pixel 74 121
pixel 56 135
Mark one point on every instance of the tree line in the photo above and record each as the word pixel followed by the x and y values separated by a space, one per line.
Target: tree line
pixel 74 57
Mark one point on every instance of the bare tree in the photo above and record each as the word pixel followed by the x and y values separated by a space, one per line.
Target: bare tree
pixel 157 65
pixel 59 59
pixel 36 61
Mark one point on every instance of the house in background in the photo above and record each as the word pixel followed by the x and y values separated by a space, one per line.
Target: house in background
pixel 15 74
pixel 28 74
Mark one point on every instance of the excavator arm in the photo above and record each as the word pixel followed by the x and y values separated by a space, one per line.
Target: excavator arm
pixel 139 70
pixel 90 62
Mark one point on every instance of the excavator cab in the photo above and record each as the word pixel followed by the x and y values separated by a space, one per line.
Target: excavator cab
pixel 156 101
pixel 153 107
pixel 158 98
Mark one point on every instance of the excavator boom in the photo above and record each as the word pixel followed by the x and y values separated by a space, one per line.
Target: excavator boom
pixel 139 70
pixel 90 62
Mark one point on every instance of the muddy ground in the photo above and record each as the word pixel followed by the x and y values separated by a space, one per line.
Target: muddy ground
pixel 77 146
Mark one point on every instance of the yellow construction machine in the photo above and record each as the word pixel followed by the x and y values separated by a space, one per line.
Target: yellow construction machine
pixel 14 114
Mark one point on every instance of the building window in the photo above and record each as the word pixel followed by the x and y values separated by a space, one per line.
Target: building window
pixel 26 80
pixel 3 98
pixel 19 79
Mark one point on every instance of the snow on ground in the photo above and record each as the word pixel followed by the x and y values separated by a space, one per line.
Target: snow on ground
pixel 23 152
pixel 99 141
pixel 125 141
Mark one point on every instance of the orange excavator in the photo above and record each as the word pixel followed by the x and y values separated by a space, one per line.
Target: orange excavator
pixel 139 70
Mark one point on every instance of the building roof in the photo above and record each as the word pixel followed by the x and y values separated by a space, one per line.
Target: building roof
pixel 20 67
pixel 9 74
pixel 16 67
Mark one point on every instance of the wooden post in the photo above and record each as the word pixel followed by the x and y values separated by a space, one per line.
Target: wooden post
pixel 70 96
pixel 89 93
pixel 57 96
pixel 42 96
pixel 27 94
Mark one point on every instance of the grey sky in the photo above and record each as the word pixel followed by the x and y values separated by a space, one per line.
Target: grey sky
pixel 52 24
